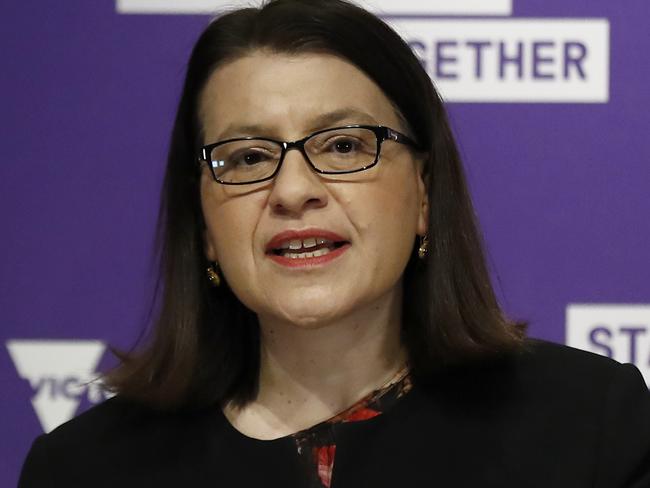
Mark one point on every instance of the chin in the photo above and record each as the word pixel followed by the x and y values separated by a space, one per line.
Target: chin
pixel 308 314
pixel 306 306
pixel 306 317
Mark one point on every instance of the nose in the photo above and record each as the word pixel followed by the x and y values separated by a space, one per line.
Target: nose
pixel 296 188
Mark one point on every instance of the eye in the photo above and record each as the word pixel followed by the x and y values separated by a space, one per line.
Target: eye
pixel 250 157
pixel 342 145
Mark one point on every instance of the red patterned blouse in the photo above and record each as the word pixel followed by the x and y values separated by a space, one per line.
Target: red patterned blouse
pixel 317 446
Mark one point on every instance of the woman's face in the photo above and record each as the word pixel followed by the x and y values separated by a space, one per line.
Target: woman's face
pixel 376 213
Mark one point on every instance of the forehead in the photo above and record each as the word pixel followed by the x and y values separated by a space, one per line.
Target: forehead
pixel 287 96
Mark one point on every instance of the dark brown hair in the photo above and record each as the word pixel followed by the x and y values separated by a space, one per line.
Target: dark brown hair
pixel 205 344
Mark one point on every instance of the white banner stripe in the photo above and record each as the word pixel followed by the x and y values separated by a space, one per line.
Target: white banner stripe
pixel 513 60
pixel 388 7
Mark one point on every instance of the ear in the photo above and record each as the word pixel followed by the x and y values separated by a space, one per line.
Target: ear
pixel 209 247
pixel 423 200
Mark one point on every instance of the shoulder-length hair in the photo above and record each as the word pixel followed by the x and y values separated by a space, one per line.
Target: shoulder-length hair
pixel 204 349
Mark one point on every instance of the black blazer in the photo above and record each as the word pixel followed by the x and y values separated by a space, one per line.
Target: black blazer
pixel 549 417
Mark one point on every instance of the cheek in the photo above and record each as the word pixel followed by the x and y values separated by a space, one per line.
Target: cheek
pixel 231 228
pixel 230 225
pixel 387 212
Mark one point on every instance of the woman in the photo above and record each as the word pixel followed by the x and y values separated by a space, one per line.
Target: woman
pixel 326 317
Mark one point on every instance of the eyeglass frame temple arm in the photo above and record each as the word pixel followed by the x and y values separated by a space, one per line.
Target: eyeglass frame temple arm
pixel 393 135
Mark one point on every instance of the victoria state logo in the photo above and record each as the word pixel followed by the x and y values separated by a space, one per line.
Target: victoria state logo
pixel 60 373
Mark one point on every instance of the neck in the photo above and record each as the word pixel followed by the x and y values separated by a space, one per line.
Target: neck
pixel 308 375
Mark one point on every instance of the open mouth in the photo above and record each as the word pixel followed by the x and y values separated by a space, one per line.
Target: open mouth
pixel 310 247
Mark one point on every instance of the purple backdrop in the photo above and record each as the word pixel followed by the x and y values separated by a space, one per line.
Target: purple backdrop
pixel 88 100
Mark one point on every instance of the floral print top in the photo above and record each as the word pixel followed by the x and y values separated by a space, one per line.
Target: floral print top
pixel 317 445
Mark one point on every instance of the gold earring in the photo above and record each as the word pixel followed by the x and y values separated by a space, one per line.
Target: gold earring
pixel 424 246
pixel 213 277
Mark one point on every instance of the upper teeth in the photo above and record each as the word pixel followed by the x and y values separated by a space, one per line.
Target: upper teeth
pixel 296 244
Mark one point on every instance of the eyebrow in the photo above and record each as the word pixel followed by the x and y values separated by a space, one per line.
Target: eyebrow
pixel 322 121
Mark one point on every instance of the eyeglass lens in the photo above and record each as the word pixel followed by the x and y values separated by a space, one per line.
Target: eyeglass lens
pixel 333 151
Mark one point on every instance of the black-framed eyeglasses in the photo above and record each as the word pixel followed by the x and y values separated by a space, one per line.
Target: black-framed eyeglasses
pixel 335 151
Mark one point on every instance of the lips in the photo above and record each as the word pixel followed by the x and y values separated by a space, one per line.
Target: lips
pixel 306 247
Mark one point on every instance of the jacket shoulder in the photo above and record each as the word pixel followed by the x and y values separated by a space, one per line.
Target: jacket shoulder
pixel 551 380
pixel 621 400
pixel 108 421
pixel 115 432
pixel 560 363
